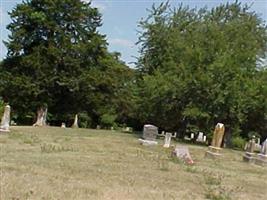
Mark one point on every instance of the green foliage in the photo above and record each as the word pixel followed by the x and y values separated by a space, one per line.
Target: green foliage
pixel 108 120
pixel 56 57
pixel 193 73
pixel 238 142
pixel 84 120
pixel 2 107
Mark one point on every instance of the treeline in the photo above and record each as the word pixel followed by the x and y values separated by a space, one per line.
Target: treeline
pixel 197 67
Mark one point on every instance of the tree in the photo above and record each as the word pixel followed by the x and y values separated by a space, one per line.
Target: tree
pixel 57 59
pixel 199 67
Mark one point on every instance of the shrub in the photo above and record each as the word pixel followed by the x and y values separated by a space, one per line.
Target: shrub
pixel 85 120
pixel 238 142
pixel 108 120
pixel 2 107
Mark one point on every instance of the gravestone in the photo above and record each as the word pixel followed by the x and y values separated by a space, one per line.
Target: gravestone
pixel 41 117
pixel 127 129
pixel 200 137
pixel 215 148
pixel 192 136
pixel 4 127
pixel 63 125
pixel 75 123
pixel 150 132
pixel 262 156
pixel 204 138
pixel 249 155
pixel 162 134
pixel 167 140
pixel 258 145
pixel 182 153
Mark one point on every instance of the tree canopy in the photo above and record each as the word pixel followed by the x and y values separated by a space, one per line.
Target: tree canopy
pixel 58 59
pixel 196 67
pixel 201 66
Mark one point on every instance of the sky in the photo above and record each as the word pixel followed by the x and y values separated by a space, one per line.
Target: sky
pixel 120 20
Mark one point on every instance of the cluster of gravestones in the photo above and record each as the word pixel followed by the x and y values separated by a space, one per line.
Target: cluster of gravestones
pixel 41 119
pixel 201 138
pixel 250 155
pixel 150 133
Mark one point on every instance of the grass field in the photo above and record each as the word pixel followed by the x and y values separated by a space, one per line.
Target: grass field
pixel 55 163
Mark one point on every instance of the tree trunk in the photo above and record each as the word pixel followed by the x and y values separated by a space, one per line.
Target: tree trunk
pixel 41 117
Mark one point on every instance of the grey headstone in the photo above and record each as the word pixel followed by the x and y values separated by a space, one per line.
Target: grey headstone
pixel 150 132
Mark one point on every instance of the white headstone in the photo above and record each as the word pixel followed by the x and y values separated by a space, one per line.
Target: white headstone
pixel 75 123
pixel 63 125
pixel 204 138
pixel 167 140
pixel 192 136
pixel 200 137
pixel 264 147
pixel 4 127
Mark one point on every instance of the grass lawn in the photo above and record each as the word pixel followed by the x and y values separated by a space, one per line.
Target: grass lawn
pixel 54 163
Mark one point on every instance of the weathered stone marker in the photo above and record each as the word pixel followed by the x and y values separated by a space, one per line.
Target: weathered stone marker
pixel 63 125
pixel 167 140
pixel 200 137
pixel 150 133
pixel 249 155
pixel 75 123
pixel 4 127
pixel 182 153
pixel 41 117
pixel 262 157
pixel 215 148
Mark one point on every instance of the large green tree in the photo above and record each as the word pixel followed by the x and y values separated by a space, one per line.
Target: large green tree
pixel 200 66
pixel 58 59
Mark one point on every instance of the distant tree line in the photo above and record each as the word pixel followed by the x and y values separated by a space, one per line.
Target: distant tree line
pixel 197 67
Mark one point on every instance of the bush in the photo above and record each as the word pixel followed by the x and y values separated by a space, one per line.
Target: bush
pixel 108 120
pixel 85 120
pixel 2 107
pixel 238 142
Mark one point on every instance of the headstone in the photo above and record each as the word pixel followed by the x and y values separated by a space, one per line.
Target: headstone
pixel 4 127
pixel 150 132
pixel 63 125
pixel 264 147
pixel 215 148
pixel 75 123
pixel 249 155
pixel 127 129
pixel 192 136
pixel 41 117
pixel 182 153
pixel 147 142
pixel 200 137
pixel 98 127
pixel 204 138
pixel 262 156
pixel 167 141
pixel 258 145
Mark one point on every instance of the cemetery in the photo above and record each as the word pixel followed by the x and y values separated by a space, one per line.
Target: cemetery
pixel 133 100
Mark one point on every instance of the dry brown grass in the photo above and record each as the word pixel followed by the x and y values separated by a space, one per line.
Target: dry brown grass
pixel 55 163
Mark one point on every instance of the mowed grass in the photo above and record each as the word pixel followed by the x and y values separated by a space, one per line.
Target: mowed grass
pixel 55 163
